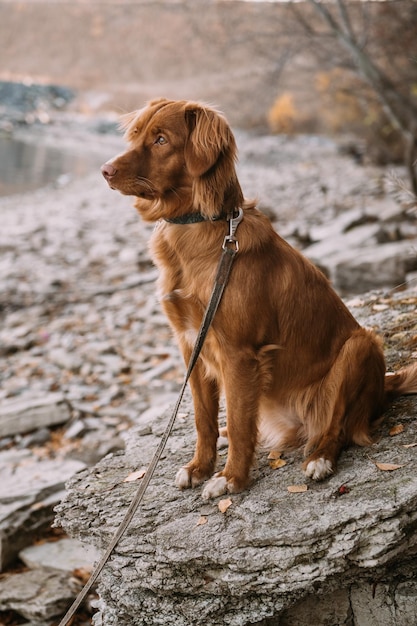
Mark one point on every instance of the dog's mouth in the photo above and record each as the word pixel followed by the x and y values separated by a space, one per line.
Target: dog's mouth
pixel 131 190
pixel 134 187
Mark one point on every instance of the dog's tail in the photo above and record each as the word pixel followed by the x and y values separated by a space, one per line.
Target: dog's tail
pixel 401 383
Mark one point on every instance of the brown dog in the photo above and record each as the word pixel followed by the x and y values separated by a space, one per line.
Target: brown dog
pixel 294 365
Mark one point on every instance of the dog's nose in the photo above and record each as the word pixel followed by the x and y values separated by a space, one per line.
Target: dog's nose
pixel 108 170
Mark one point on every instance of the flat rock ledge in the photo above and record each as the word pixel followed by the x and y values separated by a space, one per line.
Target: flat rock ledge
pixel 342 552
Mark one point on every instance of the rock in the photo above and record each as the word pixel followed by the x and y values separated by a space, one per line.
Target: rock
pixel 345 247
pixel 338 242
pixel 29 490
pixel 23 103
pixel 66 555
pixel 92 449
pixel 65 359
pixel 382 604
pixel 34 438
pixel 23 415
pixel 147 418
pixel 371 605
pixel 384 266
pixel 342 223
pixel 76 429
pixel 272 555
pixel 315 610
pixel 353 264
pixel 37 595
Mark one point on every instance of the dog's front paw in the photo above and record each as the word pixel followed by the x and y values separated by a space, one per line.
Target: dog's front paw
pixel 219 484
pixel 183 478
pixel 216 486
pixel 187 477
pixel 318 469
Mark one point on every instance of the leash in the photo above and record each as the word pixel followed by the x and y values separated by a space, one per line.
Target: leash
pixel 230 248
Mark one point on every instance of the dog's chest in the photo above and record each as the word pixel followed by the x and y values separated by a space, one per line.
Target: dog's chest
pixel 185 313
pixel 185 285
pixel 186 278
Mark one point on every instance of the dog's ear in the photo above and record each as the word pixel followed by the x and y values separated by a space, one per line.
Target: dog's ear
pixel 210 154
pixel 209 137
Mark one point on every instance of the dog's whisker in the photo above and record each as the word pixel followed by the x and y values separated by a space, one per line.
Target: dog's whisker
pixel 175 192
pixel 145 182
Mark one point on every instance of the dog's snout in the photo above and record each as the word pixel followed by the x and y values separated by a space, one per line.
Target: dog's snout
pixel 108 170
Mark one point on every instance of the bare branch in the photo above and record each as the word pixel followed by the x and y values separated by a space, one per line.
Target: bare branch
pixel 344 16
pixel 399 109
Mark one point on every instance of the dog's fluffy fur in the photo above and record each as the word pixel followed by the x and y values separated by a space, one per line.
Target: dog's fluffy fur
pixel 294 365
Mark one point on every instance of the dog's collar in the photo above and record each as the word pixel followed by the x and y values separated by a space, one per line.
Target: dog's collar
pixel 193 218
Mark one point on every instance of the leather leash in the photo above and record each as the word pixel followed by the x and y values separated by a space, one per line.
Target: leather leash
pixel 230 248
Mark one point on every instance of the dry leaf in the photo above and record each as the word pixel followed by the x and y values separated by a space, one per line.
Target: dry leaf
pixel 82 573
pixel 297 488
pixel 135 475
pixel 396 430
pixel 224 505
pixel 37 505
pixel 389 467
pixel 275 454
pixel 409 445
pixel 202 520
pixel 277 463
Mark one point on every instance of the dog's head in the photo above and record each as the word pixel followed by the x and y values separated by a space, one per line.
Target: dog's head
pixel 181 158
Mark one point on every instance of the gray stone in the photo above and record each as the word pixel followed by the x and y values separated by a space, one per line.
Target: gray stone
pixel 35 438
pixel 341 224
pixel 354 266
pixel 23 415
pixel 377 604
pixel 322 252
pixel 66 554
pixel 92 449
pixel 65 359
pixel 382 266
pixel 316 610
pixel 37 595
pixel 13 456
pixel 28 493
pixel 74 430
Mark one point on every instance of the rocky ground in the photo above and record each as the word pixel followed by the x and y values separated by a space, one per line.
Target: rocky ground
pixel 85 352
pixel 285 552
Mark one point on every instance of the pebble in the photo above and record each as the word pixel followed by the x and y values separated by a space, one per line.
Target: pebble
pixel 38 594
pixel 66 555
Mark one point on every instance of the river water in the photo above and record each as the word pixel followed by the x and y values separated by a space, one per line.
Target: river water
pixel 27 166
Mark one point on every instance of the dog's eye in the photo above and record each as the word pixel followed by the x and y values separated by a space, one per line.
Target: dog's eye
pixel 160 140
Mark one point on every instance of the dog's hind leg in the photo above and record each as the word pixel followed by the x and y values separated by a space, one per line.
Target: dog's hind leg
pixel 346 403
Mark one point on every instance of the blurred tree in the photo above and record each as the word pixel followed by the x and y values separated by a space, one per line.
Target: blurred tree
pixel 381 41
